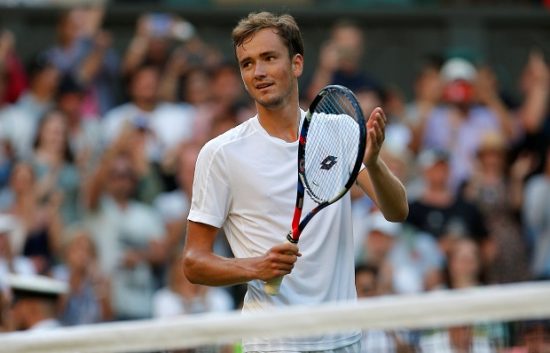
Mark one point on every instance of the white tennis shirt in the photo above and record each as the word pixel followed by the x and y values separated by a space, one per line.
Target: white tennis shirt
pixel 245 181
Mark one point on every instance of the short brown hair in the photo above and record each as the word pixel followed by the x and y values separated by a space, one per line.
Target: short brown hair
pixel 284 25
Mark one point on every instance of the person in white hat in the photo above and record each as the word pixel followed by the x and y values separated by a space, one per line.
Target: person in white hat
pixel 34 301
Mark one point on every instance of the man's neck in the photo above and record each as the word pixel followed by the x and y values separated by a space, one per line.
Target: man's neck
pixel 282 123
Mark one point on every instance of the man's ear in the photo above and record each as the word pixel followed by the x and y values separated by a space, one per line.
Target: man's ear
pixel 298 65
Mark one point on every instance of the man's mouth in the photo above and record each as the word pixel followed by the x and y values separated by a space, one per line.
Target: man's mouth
pixel 263 85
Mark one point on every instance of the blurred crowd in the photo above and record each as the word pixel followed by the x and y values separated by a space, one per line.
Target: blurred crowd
pixel 97 152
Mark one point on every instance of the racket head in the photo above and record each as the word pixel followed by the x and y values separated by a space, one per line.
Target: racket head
pixel 332 144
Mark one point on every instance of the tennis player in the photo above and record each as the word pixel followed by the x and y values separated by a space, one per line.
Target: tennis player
pixel 245 183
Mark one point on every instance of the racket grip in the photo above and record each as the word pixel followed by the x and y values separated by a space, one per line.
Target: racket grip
pixel 272 286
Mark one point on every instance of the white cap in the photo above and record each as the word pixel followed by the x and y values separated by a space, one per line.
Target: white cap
pixel 382 225
pixel 35 284
pixel 458 69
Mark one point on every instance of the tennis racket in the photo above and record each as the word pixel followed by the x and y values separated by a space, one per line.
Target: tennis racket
pixel 330 153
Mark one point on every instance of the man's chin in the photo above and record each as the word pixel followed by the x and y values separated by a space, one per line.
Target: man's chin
pixel 270 103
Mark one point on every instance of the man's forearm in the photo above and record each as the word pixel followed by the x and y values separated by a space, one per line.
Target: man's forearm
pixel 214 270
pixel 390 193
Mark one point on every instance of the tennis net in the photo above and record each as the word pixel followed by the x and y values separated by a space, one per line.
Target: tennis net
pixel 502 319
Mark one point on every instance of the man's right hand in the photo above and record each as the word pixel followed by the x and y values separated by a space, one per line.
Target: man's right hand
pixel 277 261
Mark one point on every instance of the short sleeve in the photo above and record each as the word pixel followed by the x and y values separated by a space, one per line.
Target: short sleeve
pixel 211 194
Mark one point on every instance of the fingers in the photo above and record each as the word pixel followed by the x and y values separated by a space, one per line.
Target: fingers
pixel 280 260
pixel 377 116
pixel 286 248
pixel 376 126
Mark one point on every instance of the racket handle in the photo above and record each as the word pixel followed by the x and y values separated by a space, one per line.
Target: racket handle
pixel 271 287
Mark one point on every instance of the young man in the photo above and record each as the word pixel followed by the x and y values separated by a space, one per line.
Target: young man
pixel 245 182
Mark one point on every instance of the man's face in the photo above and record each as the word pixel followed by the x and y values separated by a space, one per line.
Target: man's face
pixel 268 73
pixel 145 85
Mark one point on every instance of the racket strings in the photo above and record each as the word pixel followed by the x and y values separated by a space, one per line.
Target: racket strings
pixel 331 148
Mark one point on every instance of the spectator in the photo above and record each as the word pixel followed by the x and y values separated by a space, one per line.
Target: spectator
pixel 165 124
pixel 226 86
pixel 129 236
pixel 533 113
pixel 366 282
pixel 10 259
pixel 340 61
pixel 153 42
pixel 34 302
pixel 533 336
pixel 536 215
pixel 464 270
pixel 39 220
pixel 413 265
pixel 428 91
pixel 52 162
pixel 535 87
pixel 173 206
pixel 464 265
pixel 13 79
pixel 88 298
pixel 472 107
pixel 379 239
pixel 498 196
pixel 19 121
pixel 84 51
pixel 182 297
pixel 438 211
pixel 84 134
pixel 193 59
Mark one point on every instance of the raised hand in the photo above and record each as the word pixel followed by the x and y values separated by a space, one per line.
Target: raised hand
pixel 376 127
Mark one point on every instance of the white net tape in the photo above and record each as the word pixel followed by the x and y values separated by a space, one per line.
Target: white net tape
pixel 441 309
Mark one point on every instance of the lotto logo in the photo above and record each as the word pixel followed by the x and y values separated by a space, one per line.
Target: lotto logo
pixel 328 162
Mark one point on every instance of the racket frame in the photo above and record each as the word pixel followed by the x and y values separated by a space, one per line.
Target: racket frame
pixel 298 226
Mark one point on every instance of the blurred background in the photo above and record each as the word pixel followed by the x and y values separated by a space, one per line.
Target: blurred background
pixel 104 106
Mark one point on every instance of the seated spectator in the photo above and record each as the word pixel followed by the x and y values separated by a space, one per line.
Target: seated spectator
pixel 34 302
pixel 366 282
pixel 379 239
pixel 464 267
pixel 464 270
pixel 182 297
pixel 533 336
pixel 414 264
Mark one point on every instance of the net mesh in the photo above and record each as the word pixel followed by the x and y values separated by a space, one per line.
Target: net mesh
pixel 332 147
pixel 508 319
